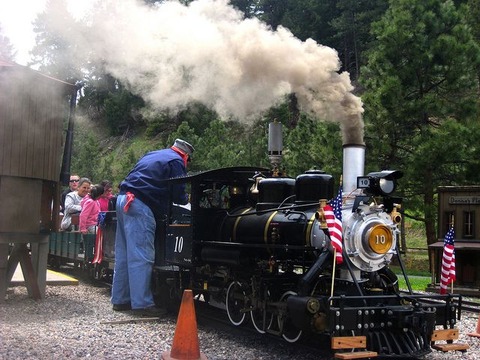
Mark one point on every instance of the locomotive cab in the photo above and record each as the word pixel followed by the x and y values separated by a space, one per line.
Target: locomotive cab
pixel 213 194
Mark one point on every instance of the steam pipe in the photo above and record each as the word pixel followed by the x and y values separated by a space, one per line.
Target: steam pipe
pixel 67 150
pixel 306 282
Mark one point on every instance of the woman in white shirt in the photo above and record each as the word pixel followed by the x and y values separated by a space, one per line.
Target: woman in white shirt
pixel 72 203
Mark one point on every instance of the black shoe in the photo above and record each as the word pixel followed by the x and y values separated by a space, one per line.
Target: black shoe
pixel 151 311
pixel 122 307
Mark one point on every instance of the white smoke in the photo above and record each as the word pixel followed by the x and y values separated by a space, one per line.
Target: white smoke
pixel 172 54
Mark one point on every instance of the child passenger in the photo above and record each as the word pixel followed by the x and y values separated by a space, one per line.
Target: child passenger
pixel 104 199
pixel 90 209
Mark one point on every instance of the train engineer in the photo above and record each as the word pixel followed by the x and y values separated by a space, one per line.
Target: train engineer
pixel 143 200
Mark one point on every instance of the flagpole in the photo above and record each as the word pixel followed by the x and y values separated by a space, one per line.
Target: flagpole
pixel 453 226
pixel 448 260
pixel 333 272
pixel 332 286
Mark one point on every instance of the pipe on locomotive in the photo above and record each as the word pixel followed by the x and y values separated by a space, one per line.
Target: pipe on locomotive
pixel 68 147
pixel 353 157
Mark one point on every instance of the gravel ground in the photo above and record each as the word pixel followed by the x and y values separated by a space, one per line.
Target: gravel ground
pixel 77 322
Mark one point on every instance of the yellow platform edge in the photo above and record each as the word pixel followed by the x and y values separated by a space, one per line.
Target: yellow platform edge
pixel 53 278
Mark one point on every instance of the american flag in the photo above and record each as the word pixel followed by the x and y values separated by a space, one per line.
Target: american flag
pixel 333 215
pixel 448 261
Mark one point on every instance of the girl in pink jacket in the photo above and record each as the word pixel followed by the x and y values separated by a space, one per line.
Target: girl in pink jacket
pixel 90 209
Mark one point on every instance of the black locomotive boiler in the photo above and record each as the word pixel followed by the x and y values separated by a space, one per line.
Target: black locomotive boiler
pixel 257 245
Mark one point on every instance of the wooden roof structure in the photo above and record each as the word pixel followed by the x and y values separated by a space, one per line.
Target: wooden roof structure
pixel 33 108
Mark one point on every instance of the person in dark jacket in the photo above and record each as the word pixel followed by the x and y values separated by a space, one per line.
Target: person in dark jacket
pixel 143 198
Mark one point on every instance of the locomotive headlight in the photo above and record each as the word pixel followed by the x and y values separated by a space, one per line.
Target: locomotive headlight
pixel 386 186
pixel 379 183
pixel 380 238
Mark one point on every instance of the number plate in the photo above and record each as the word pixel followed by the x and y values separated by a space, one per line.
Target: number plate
pixel 380 239
pixel 179 244
pixel 363 182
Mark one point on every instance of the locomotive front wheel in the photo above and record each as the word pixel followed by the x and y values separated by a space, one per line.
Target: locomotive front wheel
pixel 289 331
pixel 236 303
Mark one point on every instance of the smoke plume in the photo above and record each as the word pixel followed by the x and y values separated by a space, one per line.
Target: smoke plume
pixel 172 54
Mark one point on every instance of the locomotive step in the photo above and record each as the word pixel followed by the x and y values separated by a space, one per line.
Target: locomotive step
pixel 356 355
pixel 351 342
pixel 447 335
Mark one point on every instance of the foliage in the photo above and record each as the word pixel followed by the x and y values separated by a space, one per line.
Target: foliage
pixel 313 145
pixel 418 80
pixel 352 35
pixel 54 54
pixel 7 50
pixel 418 281
pixel 86 151
pixel 420 89
pixel 225 144
pixel 343 25
pixel 122 111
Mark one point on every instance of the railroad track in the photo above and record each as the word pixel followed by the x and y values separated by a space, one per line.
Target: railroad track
pixel 470 306
pixel 211 316
pixel 467 305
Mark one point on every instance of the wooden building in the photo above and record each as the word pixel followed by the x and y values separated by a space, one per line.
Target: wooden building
pixel 33 111
pixel 459 206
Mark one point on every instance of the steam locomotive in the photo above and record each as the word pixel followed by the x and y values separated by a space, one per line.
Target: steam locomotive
pixel 256 244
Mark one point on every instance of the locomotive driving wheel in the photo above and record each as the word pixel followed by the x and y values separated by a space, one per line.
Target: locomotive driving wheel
pixel 236 302
pixel 261 318
pixel 289 331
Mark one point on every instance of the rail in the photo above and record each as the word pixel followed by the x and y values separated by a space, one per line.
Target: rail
pixel 467 305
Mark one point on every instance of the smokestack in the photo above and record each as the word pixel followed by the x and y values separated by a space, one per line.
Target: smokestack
pixel 353 166
pixel 275 143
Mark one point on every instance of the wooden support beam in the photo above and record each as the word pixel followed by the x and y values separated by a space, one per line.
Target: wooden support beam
pixel 21 254
pixel 32 260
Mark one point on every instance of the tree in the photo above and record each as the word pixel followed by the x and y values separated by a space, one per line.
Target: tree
pixel 473 16
pixel 351 35
pixel 343 25
pixel 313 145
pixel 304 18
pixel 55 53
pixel 6 48
pixel 420 77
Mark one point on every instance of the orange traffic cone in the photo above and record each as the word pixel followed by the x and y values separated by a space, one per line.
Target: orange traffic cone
pixel 477 331
pixel 185 340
